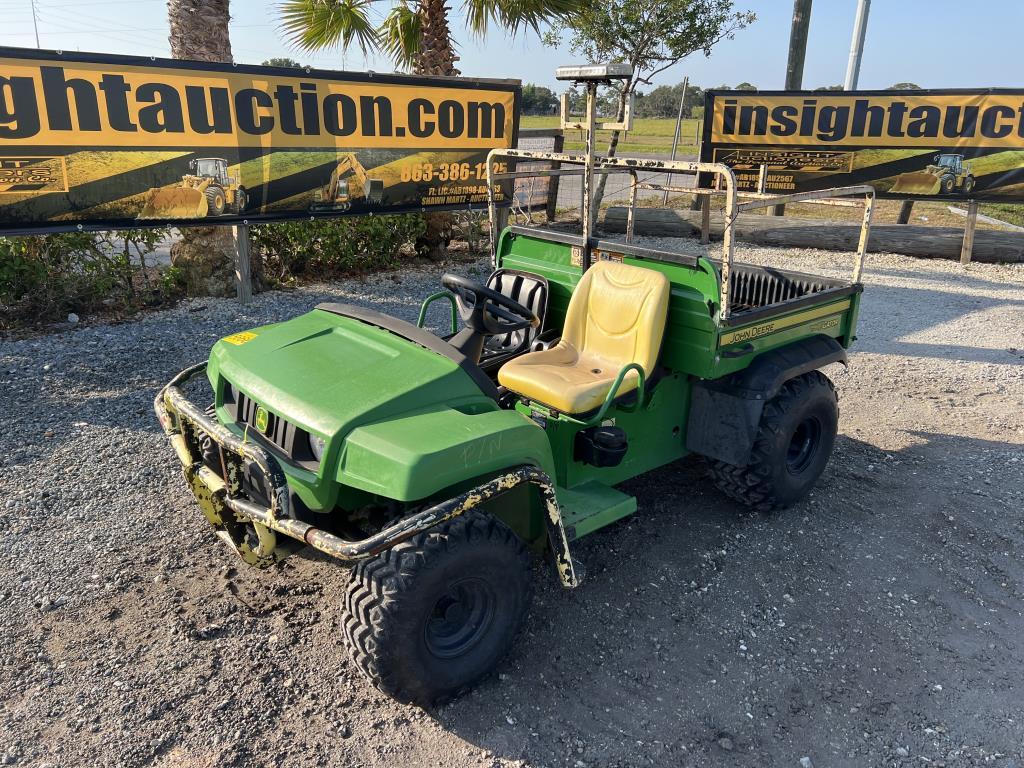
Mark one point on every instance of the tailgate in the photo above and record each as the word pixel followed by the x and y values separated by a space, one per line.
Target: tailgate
pixel 830 313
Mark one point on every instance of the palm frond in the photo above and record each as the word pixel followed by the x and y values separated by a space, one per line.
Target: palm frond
pixel 313 25
pixel 400 35
pixel 515 15
pixel 478 14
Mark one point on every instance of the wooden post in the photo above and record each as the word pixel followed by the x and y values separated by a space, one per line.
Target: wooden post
pixel 243 266
pixel 905 208
pixel 501 221
pixel 972 220
pixel 705 219
pixel 552 206
pixel 696 135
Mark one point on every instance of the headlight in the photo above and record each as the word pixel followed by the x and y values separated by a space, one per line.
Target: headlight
pixel 316 445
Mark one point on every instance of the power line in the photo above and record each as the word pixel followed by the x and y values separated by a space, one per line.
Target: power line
pixel 35 23
pixel 103 2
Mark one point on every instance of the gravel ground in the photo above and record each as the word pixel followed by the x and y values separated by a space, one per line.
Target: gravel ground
pixel 877 623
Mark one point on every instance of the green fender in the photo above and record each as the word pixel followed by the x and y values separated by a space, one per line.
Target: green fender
pixel 416 456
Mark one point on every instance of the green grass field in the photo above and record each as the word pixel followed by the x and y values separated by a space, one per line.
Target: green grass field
pixel 653 136
pixel 650 135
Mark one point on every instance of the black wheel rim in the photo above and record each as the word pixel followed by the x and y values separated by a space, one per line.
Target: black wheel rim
pixel 460 618
pixel 803 445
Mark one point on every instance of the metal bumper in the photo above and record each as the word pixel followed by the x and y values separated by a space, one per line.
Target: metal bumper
pixel 251 527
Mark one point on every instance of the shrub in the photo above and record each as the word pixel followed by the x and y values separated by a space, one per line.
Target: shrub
pixel 329 247
pixel 45 277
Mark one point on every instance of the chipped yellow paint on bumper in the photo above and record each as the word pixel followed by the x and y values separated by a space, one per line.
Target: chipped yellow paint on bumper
pixel 251 527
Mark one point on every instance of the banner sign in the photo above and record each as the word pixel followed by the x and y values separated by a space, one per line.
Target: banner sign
pixel 946 144
pixel 94 141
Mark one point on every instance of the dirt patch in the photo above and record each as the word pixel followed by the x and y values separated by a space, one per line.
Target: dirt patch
pixel 877 623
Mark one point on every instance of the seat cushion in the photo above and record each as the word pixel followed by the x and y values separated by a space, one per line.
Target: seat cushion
pixel 616 316
pixel 563 379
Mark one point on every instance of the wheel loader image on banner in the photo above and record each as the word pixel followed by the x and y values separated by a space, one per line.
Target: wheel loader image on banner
pixel 206 190
pixel 949 174
pixel 349 184
pixel 436 465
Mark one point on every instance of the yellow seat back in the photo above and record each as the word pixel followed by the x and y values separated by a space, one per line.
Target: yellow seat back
pixel 617 313
pixel 616 316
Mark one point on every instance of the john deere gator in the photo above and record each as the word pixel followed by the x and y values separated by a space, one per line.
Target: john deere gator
pixel 438 466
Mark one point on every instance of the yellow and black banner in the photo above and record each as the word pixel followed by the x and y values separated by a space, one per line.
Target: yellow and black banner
pixel 945 144
pixel 95 141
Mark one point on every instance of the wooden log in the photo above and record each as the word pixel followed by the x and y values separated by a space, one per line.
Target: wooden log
pixel 912 240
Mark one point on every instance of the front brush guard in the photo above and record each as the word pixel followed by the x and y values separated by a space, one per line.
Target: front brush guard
pixel 219 494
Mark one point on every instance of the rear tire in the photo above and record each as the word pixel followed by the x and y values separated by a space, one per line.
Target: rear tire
pixel 968 185
pixel 215 201
pixel 793 444
pixel 241 200
pixel 429 617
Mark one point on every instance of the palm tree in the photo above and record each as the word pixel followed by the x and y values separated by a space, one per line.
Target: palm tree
pixel 206 255
pixel 199 30
pixel 416 36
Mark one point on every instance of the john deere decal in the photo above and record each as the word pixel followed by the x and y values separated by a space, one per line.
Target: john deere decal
pixel 95 141
pixel 953 144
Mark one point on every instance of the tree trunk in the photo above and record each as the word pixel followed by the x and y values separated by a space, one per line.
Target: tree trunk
pixel 436 57
pixel 437 54
pixel 613 144
pixel 206 255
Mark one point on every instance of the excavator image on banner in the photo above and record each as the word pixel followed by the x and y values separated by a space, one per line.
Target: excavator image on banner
pixel 349 184
pixel 206 190
pixel 947 175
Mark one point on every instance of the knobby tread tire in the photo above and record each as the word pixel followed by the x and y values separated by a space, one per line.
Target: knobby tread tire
pixel 211 196
pixel 377 599
pixel 752 484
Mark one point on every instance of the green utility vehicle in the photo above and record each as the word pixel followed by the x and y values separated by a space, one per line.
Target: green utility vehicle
pixel 437 465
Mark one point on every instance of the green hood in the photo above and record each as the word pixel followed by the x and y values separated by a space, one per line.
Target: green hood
pixel 328 373
pixel 403 414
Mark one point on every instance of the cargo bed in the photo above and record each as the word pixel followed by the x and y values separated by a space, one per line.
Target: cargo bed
pixel 756 292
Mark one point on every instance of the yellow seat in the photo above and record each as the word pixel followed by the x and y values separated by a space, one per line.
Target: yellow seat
pixel 616 316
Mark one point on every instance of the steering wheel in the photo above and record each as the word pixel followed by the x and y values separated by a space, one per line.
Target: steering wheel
pixel 486 310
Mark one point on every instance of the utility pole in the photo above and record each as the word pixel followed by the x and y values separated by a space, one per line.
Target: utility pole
pixel 675 137
pixel 860 28
pixel 798 44
pixel 35 22
pixel 795 63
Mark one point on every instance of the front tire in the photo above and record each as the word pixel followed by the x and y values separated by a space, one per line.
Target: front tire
pixel 793 444
pixel 215 201
pixel 429 617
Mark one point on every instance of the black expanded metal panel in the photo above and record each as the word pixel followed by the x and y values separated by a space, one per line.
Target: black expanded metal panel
pixel 757 287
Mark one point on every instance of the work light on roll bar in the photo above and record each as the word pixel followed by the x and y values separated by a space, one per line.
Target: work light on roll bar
pixel 600 73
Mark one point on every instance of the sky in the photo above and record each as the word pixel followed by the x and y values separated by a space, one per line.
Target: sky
pixel 929 42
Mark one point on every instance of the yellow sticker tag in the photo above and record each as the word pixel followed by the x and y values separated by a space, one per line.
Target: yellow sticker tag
pixel 240 338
